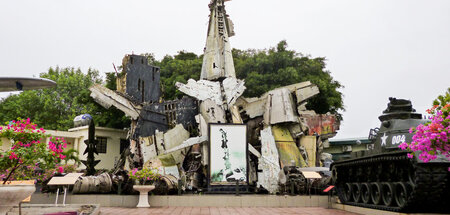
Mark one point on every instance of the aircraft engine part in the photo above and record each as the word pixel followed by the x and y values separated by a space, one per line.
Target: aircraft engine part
pixel 295 181
pixel 168 184
pixel 193 169
pixel 93 184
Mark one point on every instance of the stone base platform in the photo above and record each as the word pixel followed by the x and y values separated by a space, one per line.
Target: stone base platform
pixel 205 200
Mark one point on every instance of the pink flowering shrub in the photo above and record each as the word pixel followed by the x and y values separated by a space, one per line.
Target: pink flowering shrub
pixel 40 175
pixel 432 138
pixel 27 152
pixel 145 175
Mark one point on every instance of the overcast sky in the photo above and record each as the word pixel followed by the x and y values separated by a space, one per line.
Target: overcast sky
pixel 376 49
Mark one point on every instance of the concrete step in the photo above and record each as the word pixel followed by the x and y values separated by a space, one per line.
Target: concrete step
pixel 32 209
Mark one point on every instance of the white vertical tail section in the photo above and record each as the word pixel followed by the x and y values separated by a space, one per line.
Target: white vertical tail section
pixel 218 60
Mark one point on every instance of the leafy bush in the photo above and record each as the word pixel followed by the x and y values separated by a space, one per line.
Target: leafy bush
pixel 27 153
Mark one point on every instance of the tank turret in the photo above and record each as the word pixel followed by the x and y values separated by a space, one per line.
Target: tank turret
pixel 399 109
pixel 396 121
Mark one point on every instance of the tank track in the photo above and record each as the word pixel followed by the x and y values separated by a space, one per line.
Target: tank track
pixel 429 182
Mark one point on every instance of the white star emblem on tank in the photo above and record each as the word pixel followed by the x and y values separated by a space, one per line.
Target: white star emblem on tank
pixel 383 139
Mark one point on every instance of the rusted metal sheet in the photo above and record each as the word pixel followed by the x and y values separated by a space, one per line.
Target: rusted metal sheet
pixel 167 160
pixel 139 80
pixel 134 149
pixel 121 83
pixel 279 107
pixel 107 98
pixel 185 110
pixel 202 126
pixel 148 147
pixel 211 112
pixel 235 115
pixel 296 130
pixel 266 113
pixel 218 59
pixel 293 87
pixel 202 90
pixel 254 151
pixel 287 148
pixel 230 27
pixel 254 127
pixel 305 93
pixel 149 121
pixel 169 170
pixel 187 143
pixel 309 144
pixel 320 124
pixel 233 88
pixel 175 136
pixel 171 139
pixel 159 138
pixel 269 162
pixel 302 90
pixel 253 107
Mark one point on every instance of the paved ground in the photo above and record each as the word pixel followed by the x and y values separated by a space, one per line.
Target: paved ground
pixel 221 211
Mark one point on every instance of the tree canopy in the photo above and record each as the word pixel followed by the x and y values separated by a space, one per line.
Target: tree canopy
pixel 55 108
pixel 262 70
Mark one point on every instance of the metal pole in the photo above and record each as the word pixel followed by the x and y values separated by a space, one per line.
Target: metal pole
pixel 309 187
pixel 57 193
pixel 329 199
pixel 237 187
pixel 65 192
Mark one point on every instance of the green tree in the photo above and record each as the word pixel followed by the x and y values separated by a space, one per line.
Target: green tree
pixel 55 108
pixel 179 68
pixel 263 70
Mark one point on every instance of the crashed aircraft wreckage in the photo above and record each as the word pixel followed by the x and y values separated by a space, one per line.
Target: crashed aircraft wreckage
pixel 282 135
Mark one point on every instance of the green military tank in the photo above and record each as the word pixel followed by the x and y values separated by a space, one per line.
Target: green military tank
pixel 385 178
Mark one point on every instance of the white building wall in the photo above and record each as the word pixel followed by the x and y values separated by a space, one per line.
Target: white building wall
pixel 112 154
pixel 5 144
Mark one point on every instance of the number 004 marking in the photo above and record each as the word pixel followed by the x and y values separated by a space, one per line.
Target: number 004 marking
pixel 398 139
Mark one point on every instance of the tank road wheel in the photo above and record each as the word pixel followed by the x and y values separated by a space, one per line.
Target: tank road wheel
pixel 387 193
pixel 356 192
pixel 401 194
pixel 365 192
pixel 375 192
pixel 348 192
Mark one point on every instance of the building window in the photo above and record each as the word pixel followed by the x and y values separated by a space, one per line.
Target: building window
pixel 101 144
pixel 124 144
